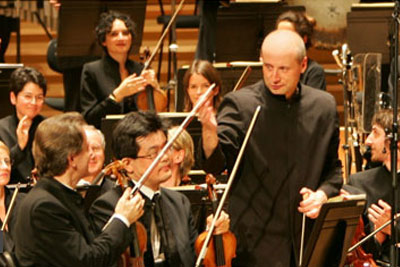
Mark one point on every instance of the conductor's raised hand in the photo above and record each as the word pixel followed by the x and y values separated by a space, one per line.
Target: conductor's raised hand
pixel 130 207
pixel 131 85
pixel 209 125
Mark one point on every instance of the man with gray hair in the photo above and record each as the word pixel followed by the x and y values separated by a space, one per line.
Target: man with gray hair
pixel 290 166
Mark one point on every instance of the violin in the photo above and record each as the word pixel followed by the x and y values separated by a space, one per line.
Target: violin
pixel 154 98
pixel 133 256
pixel 358 257
pixel 222 248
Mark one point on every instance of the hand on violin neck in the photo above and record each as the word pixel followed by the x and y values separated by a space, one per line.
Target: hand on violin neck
pixel 312 202
pixel 221 225
pixel 130 207
pixel 150 77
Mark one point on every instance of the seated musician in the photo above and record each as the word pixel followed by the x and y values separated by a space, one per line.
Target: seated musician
pixel 27 92
pixel 137 140
pixel 5 197
pixel 182 158
pixel 51 227
pixel 200 75
pixel 299 22
pixel 106 83
pixel 97 144
pixel 377 185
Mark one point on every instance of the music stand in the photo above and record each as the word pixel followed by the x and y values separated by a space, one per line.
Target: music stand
pixel 332 232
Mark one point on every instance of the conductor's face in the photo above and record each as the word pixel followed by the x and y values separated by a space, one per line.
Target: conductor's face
pixel 119 39
pixel 282 62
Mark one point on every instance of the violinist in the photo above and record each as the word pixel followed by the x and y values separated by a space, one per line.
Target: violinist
pixel 106 83
pixel 200 75
pixel 376 183
pixel 292 153
pixel 137 139
pixel 5 197
pixel 51 227
pixel 27 92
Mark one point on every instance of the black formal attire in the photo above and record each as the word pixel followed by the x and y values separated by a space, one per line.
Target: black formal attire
pixel 376 183
pixel 8 241
pixel 178 225
pixel 52 230
pixel 314 75
pixel 99 79
pixel 23 162
pixel 294 144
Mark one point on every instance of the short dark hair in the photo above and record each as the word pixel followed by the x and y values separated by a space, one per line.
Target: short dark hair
pixel 303 25
pixel 134 125
pixel 206 69
pixel 56 138
pixel 21 76
pixel 105 25
pixel 384 119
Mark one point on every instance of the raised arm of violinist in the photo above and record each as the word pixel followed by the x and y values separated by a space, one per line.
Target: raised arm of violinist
pixel 209 128
pixel 312 202
pixel 379 214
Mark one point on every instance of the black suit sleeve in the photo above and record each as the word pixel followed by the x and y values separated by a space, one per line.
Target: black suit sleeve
pixel 71 246
pixel 93 103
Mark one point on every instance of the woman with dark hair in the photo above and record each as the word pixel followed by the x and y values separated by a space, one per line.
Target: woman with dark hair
pixel 200 75
pixel 27 92
pixel 108 83
pixel 299 22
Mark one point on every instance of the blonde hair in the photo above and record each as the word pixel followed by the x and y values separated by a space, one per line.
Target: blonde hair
pixel 185 142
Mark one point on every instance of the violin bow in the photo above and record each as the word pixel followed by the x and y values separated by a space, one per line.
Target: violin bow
pixel 11 207
pixel 228 186
pixel 158 45
pixel 242 78
pixel 362 241
pixel 171 140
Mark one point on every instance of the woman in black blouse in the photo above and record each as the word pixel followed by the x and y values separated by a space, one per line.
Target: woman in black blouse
pixel 108 82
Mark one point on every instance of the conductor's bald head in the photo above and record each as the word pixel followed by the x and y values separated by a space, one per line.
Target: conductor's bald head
pixel 283 55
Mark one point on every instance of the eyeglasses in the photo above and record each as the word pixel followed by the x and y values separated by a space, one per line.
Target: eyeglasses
pixel 29 98
pixel 153 155
pixel 6 161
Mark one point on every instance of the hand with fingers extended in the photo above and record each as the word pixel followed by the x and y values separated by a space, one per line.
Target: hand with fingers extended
pixel 23 131
pixel 150 77
pixel 209 125
pixel 379 214
pixel 131 85
pixel 130 207
pixel 312 202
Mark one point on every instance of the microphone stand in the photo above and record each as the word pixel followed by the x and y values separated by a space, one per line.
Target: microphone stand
pixel 394 140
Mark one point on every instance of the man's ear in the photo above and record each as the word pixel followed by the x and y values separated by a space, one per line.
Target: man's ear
pixel 13 98
pixel 71 161
pixel 304 64
pixel 128 164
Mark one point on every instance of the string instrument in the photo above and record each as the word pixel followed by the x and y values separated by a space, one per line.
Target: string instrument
pixel 242 78
pixel 151 98
pixel 222 248
pixel 235 168
pixel 154 98
pixel 358 257
pixel 10 208
pixel 133 256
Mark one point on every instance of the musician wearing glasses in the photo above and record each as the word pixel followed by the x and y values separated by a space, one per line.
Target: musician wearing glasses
pixel 27 92
pixel 137 140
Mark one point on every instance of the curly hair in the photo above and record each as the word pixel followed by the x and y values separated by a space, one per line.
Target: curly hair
pixel 105 25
